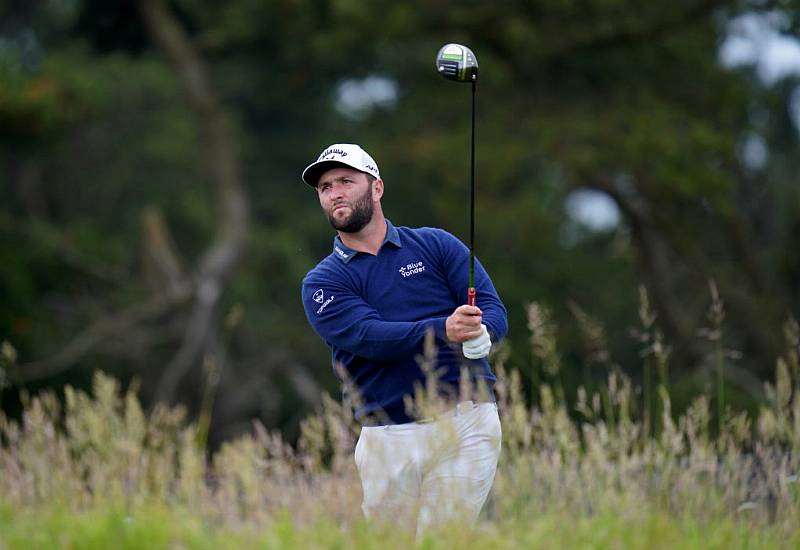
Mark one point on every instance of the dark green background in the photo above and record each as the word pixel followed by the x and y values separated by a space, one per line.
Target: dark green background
pixel 623 97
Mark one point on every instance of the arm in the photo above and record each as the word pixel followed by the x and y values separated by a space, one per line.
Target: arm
pixel 456 263
pixel 344 319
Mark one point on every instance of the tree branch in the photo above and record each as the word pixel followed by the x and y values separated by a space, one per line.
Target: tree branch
pixel 109 326
pixel 220 153
pixel 160 261
pixel 653 260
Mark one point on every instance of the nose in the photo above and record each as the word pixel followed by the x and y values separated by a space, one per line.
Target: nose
pixel 337 192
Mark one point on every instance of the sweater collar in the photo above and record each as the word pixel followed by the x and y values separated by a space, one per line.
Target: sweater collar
pixel 346 254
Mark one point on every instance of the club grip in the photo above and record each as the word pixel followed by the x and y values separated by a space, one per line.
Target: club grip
pixel 471 296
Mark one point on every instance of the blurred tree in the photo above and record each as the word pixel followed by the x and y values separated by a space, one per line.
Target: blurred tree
pixel 129 147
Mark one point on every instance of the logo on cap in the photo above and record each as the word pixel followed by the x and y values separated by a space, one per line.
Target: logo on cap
pixel 328 154
pixel 349 154
pixel 319 296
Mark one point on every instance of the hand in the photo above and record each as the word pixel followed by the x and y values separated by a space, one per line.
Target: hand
pixel 464 324
pixel 478 348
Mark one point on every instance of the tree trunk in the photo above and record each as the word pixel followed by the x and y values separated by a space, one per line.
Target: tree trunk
pixel 219 149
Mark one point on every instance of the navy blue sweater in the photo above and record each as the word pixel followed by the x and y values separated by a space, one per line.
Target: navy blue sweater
pixel 374 312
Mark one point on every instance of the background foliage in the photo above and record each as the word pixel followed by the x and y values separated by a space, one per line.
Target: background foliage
pixel 111 196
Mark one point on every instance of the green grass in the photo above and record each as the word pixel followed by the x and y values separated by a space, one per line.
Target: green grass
pixel 155 527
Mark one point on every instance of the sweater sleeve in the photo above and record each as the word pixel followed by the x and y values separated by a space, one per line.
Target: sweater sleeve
pixel 456 256
pixel 342 318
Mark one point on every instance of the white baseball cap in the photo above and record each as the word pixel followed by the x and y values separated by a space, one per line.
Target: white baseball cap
pixel 348 154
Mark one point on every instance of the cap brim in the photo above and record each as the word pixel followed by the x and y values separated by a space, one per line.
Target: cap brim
pixel 314 171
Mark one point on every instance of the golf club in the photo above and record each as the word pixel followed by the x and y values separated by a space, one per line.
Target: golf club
pixel 458 63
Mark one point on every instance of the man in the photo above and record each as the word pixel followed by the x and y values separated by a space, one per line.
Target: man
pixel 373 300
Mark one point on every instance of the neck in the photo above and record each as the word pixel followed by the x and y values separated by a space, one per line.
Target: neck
pixel 370 238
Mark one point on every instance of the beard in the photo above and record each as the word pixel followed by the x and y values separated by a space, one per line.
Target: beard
pixel 361 211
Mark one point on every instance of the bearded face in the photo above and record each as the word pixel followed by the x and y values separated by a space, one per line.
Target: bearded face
pixel 361 210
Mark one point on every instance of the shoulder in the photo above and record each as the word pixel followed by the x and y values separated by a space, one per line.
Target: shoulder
pixel 326 269
pixel 435 239
pixel 428 235
pixel 321 283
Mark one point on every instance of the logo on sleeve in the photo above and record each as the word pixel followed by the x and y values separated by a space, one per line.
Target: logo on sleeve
pixel 411 269
pixel 319 297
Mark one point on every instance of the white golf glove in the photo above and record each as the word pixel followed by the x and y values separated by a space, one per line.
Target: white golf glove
pixel 478 347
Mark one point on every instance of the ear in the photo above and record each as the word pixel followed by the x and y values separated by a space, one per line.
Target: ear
pixel 377 189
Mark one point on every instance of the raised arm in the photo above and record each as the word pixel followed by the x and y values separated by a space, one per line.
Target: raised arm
pixel 456 262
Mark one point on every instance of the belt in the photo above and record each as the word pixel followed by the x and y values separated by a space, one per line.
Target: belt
pixel 462 407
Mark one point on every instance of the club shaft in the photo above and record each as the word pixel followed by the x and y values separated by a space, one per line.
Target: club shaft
pixel 472 201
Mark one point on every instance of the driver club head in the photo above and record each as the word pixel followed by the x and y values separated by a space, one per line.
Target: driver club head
pixel 457 62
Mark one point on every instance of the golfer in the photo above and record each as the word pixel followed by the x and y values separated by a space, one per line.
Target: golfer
pixel 373 300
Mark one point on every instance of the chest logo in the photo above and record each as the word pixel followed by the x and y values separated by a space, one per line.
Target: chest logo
pixel 411 269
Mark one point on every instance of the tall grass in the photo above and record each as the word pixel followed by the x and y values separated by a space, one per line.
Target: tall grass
pixel 96 469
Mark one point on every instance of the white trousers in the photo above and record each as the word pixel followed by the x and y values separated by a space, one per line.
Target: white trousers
pixel 423 474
